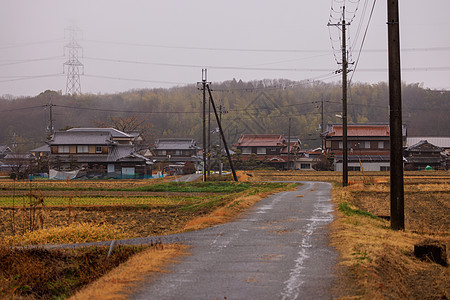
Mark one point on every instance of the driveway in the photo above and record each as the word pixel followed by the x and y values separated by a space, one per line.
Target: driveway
pixel 279 249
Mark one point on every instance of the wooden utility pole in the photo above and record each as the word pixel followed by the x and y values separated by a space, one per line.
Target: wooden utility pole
pixel 344 104
pixel 395 118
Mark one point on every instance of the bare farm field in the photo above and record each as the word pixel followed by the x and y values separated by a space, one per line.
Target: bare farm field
pixel 130 208
pixel 375 261
pixel 60 212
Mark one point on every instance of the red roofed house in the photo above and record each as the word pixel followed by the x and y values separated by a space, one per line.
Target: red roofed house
pixel 368 145
pixel 270 148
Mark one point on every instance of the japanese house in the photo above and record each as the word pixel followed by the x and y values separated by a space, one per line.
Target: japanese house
pixel 368 146
pixel 269 148
pixel 177 151
pixel 96 152
pixel 424 155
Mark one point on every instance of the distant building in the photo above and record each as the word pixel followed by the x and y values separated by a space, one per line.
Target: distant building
pixel 269 148
pixel 4 150
pixel 100 152
pixel 177 151
pixel 424 154
pixel 306 160
pixel 17 163
pixel 368 146
pixel 440 141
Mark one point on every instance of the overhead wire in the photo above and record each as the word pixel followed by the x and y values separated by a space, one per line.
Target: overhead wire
pixel 16 62
pixel 210 48
pixel 363 40
pixel 17 45
pixel 134 79
pixel 207 66
pixel 32 77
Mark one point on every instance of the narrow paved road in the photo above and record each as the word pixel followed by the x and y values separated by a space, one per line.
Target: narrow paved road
pixel 188 178
pixel 277 250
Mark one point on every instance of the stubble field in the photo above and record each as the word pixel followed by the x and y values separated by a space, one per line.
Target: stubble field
pixel 375 261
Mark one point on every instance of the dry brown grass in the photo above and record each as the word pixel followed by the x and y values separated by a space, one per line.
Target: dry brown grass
pixel 223 214
pixel 84 184
pixel 377 262
pixel 75 233
pixel 38 273
pixel 118 283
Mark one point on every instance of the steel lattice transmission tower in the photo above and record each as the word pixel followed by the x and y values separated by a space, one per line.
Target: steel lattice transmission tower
pixel 73 65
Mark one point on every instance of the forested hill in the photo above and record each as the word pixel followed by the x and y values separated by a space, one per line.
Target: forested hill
pixel 249 107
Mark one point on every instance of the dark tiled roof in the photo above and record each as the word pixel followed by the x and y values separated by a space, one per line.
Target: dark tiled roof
pixel 443 142
pixel 261 140
pixel 175 144
pixel 4 148
pixel 114 132
pixel 44 148
pixel 424 146
pixel 81 138
pixel 120 151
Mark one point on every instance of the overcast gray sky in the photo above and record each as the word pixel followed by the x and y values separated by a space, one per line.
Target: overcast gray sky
pixel 130 44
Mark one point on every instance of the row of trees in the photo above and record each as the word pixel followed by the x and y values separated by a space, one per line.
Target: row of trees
pixel 247 107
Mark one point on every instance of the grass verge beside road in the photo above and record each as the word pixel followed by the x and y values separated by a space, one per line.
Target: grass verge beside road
pixel 377 262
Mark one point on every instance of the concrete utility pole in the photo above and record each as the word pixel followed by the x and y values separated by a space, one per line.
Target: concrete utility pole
pixel 395 118
pixel 344 104
pixel 322 130
pixel 221 111
pixel 208 155
pixel 288 143
pixel 344 99
pixel 204 73
pixel 50 128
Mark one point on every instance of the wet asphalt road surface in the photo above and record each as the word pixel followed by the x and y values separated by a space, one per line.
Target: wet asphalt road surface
pixel 277 250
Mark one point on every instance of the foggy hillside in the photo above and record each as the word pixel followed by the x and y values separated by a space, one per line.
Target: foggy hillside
pixel 248 107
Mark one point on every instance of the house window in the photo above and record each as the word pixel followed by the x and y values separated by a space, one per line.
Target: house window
pixel 367 145
pixel 247 150
pixel 162 152
pixel 381 145
pixel 305 166
pixel 177 152
pixel 98 149
pixel 340 145
pixel 385 168
pixel 63 149
pixel 261 150
pixel 82 149
pixel 352 168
